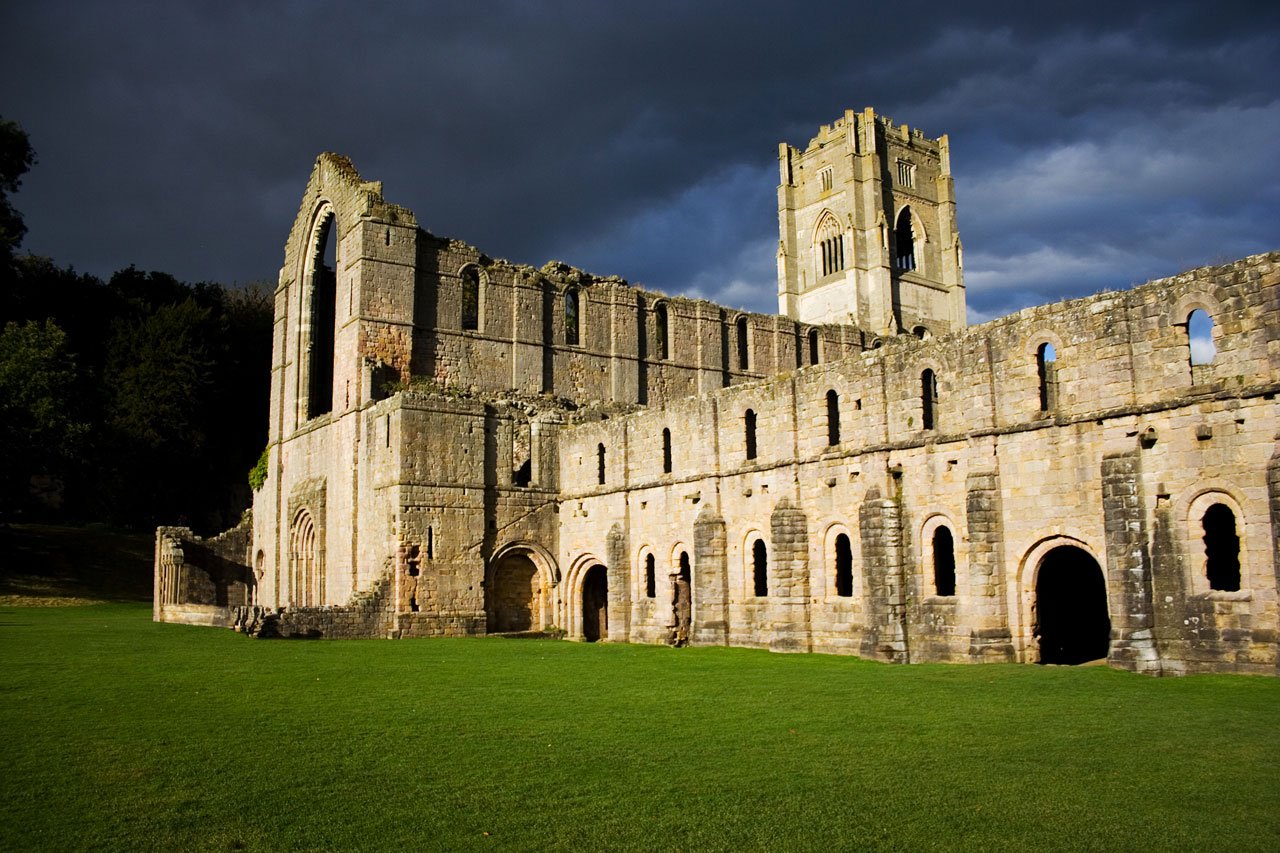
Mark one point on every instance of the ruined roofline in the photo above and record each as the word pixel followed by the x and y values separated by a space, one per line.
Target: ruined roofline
pixel 334 175
pixel 1206 271
pixel 566 274
pixel 894 344
pixel 335 180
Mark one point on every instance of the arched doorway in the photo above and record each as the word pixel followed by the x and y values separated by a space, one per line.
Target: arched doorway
pixel 1071 623
pixel 513 596
pixel 595 604
pixel 681 602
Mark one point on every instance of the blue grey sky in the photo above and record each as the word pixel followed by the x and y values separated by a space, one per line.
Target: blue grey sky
pixel 1094 146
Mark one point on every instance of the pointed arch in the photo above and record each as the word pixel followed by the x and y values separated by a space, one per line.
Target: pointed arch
pixel 828 240
pixel 909 237
pixel 318 311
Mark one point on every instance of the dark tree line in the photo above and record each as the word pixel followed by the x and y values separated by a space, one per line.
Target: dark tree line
pixel 140 400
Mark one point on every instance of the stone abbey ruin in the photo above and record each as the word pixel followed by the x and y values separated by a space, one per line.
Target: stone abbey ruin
pixel 462 445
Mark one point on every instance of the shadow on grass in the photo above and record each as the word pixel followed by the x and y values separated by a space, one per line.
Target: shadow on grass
pixel 50 565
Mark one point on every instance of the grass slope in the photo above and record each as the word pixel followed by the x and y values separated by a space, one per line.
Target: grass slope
pixel 45 565
pixel 124 734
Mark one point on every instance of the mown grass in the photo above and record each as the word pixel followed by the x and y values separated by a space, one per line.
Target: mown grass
pixel 123 734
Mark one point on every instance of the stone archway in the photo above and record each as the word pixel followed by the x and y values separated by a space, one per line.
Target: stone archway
pixel 514 595
pixel 595 604
pixel 1070 622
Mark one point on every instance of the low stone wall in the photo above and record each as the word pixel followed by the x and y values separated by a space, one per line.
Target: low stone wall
pixel 194 575
pixel 370 615
pixel 209 615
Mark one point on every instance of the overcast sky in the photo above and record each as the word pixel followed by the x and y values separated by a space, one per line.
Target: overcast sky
pixel 1096 146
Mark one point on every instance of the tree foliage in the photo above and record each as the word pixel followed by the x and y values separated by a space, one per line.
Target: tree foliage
pixel 141 400
pixel 39 432
pixel 163 387
pixel 16 157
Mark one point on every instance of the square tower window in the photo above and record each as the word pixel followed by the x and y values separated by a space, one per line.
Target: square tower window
pixel 824 178
pixel 906 174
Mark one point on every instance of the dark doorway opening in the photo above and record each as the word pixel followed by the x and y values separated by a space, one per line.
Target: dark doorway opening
pixel 682 603
pixel 595 604
pixel 1071 619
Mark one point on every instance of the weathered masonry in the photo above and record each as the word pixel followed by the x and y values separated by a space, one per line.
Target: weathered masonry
pixel 461 445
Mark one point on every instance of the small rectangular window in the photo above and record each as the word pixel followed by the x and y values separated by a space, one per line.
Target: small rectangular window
pixel 824 178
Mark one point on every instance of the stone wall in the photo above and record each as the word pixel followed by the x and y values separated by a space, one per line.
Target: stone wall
pixel 445 452
pixel 369 615
pixel 521 342
pixel 200 580
pixel 1121 466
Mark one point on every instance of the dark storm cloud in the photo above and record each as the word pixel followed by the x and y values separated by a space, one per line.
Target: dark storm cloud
pixel 1093 146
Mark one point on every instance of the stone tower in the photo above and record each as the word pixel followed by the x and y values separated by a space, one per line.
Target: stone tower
pixel 867 228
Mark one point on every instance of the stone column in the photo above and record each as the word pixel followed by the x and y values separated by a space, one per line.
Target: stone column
pixel 619 575
pixel 1273 493
pixel 989 638
pixel 789 529
pixel 1128 565
pixel 710 580
pixel 883 580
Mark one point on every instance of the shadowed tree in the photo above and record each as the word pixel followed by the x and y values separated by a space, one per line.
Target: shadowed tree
pixel 40 437
pixel 16 157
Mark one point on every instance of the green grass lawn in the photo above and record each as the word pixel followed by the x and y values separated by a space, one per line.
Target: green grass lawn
pixel 123 734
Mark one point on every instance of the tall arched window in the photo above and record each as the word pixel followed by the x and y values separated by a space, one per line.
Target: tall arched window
pixel 830 246
pixel 1221 548
pixel 600 463
pixel 572 317
pixel 928 399
pixel 663 343
pixel 944 561
pixel 904 241
pixel 815 344
pixel 749 426
pixel 1047 368
pixel 1200 337
pixel 650 582
pixel 470 298
pixel 666 451
pixel 760 568
pixel 844 567
pixel 833 418
pixel 743 343
pixel 321 314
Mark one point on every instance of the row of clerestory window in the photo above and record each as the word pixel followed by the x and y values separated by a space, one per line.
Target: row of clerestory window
pixel 1199 324
pixel 1046 367
pixel 472 310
